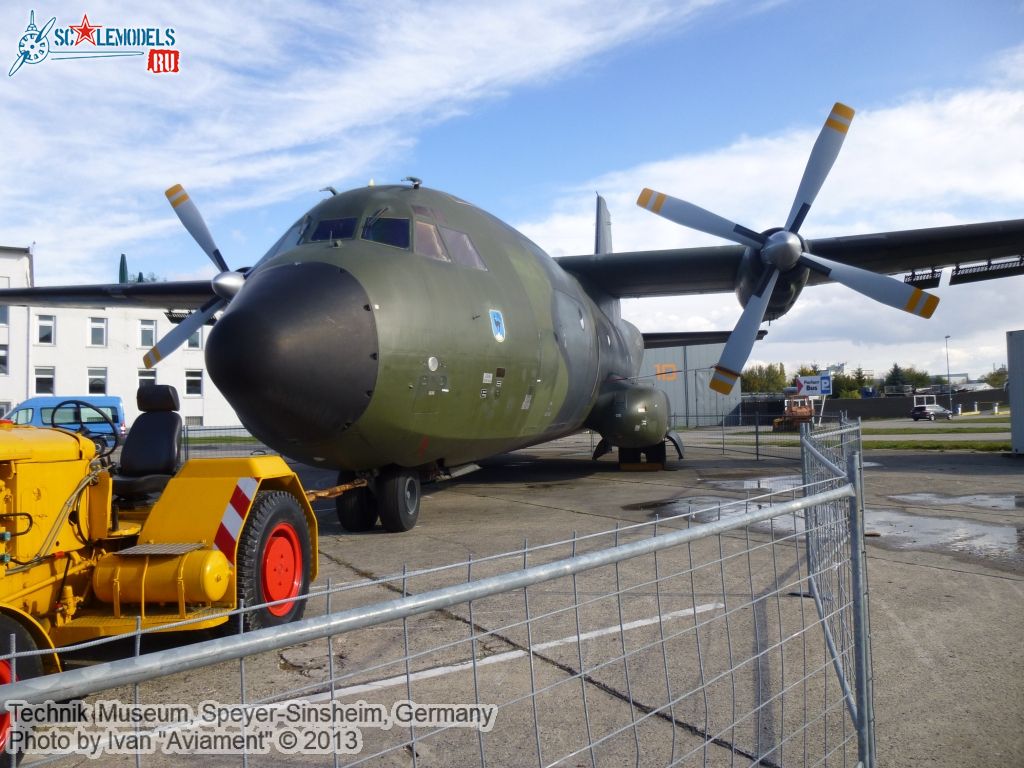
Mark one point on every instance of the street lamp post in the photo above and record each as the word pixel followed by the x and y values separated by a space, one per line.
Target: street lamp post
pixel 949 381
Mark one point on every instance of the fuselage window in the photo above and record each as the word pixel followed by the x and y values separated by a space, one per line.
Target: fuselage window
pixel 393 232
pixel 428 242
pixel 334 229
pixel 461 249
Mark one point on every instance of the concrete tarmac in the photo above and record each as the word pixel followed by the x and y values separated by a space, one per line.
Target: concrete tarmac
pixel 946 575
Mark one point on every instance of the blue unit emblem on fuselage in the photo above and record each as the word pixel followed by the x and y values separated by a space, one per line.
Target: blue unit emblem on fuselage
pixel 497 325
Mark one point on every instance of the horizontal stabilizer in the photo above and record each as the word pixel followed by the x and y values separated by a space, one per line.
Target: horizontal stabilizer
pixel 688 338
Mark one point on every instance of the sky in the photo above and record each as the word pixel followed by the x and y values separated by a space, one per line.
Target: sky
pixel 527 109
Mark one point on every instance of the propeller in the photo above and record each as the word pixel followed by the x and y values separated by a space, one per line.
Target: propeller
pixel 225 285
pixel 785 250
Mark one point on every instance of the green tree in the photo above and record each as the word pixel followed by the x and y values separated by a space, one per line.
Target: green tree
pixel 859 378
pixel 895 377
pixel 997 378
pixel 917 378
pixel 844 385
pixel 806 369
pixel 764 378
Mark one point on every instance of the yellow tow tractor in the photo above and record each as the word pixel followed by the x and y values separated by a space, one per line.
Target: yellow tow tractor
pixel 88 550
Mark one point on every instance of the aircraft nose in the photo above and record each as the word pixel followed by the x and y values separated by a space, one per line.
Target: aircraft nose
pixel 295 353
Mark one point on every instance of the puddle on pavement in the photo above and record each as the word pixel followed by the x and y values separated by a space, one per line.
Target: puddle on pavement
pixel 1001 544
pixel 994 544
pixel 764 484
pixel 995 501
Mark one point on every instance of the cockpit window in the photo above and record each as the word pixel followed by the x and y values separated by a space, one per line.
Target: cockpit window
pixel 461 249
pixel 334 229
pixel 388 231
pixel 289 239
pixel 428 242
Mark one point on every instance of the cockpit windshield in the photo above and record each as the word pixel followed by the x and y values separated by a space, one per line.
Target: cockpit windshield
pixel 389 231
pixel 334 229
pixel 288 240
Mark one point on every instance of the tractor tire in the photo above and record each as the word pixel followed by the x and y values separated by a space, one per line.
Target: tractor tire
pixel 357 510
pixel 398 500
pixel 274 556
pixel 25 667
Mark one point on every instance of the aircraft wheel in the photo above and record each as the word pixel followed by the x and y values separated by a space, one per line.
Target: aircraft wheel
pixel 629 455
pixel 25 667
pixel 357 509
pixel 398 500
pixel 656 453
pixel 274 554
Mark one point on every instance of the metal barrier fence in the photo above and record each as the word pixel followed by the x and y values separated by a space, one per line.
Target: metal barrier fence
pixel 220 442
pixel 729 635
pixel 752 434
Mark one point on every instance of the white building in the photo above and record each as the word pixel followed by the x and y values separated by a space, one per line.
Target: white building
pixel 73 352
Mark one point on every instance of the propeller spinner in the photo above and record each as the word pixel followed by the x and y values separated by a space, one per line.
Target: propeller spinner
pixel 225 285
pixel 785 250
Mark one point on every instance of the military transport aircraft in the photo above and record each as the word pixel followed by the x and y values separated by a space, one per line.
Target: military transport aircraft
pixel 398 332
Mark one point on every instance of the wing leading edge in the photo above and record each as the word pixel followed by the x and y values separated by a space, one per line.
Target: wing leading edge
pixel 714 269
pixel 177 295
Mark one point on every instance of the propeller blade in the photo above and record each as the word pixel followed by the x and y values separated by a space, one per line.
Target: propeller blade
pixel 883 288
pixel 823 156
pixel 695 217
pixel 193 221
pixel 741 340
pixel 180 333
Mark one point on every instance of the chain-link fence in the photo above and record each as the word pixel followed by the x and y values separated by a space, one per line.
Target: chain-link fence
pixel 730 635
pixel 220 442
pixel 757 434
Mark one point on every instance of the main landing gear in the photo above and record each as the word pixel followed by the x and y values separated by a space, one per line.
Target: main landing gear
pixel 393 496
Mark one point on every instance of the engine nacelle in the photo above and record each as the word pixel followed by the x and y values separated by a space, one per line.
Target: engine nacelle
pixel 787 287
pixel 631 415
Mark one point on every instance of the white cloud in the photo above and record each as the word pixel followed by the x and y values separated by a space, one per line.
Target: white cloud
pixel 933 160
pixel 274 100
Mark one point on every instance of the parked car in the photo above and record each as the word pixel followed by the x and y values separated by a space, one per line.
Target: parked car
pixel 930 412
pixel 40 412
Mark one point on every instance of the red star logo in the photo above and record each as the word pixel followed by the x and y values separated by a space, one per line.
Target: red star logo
pixel 85 30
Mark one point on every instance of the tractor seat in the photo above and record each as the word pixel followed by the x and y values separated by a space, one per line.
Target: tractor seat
pixel 152 449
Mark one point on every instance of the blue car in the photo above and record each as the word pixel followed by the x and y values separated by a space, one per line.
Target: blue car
pixel 43 412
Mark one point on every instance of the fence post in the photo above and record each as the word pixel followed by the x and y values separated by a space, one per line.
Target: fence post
pixel 861 628
pixel 757 437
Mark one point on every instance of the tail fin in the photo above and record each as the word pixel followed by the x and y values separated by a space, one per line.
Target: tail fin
pixel 602 229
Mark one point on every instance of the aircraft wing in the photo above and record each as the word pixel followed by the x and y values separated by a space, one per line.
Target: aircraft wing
pixel 714 269
pixel 178 295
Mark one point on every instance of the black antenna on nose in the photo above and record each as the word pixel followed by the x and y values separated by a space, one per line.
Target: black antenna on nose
pixel 415 182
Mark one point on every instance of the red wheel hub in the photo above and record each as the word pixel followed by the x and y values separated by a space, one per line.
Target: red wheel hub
pixel 282 568
pixel 5 716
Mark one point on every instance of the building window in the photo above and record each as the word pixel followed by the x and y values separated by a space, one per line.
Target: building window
pixel 5 282
pixel 193 382
pixel 97 381
pixel 195 341
pixel 44 381
pixel 97 331
pixel 193 421
pixel 147 333
pixel 146 376
pixel 46 329
pixel 3 360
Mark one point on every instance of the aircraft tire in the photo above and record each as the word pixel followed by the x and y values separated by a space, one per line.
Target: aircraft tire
pixel 26 667
pixel 357 509
pixel 398 500
pixel 274 555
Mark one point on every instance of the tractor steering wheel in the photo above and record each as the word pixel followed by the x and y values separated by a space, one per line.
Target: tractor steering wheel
pixel 102 449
